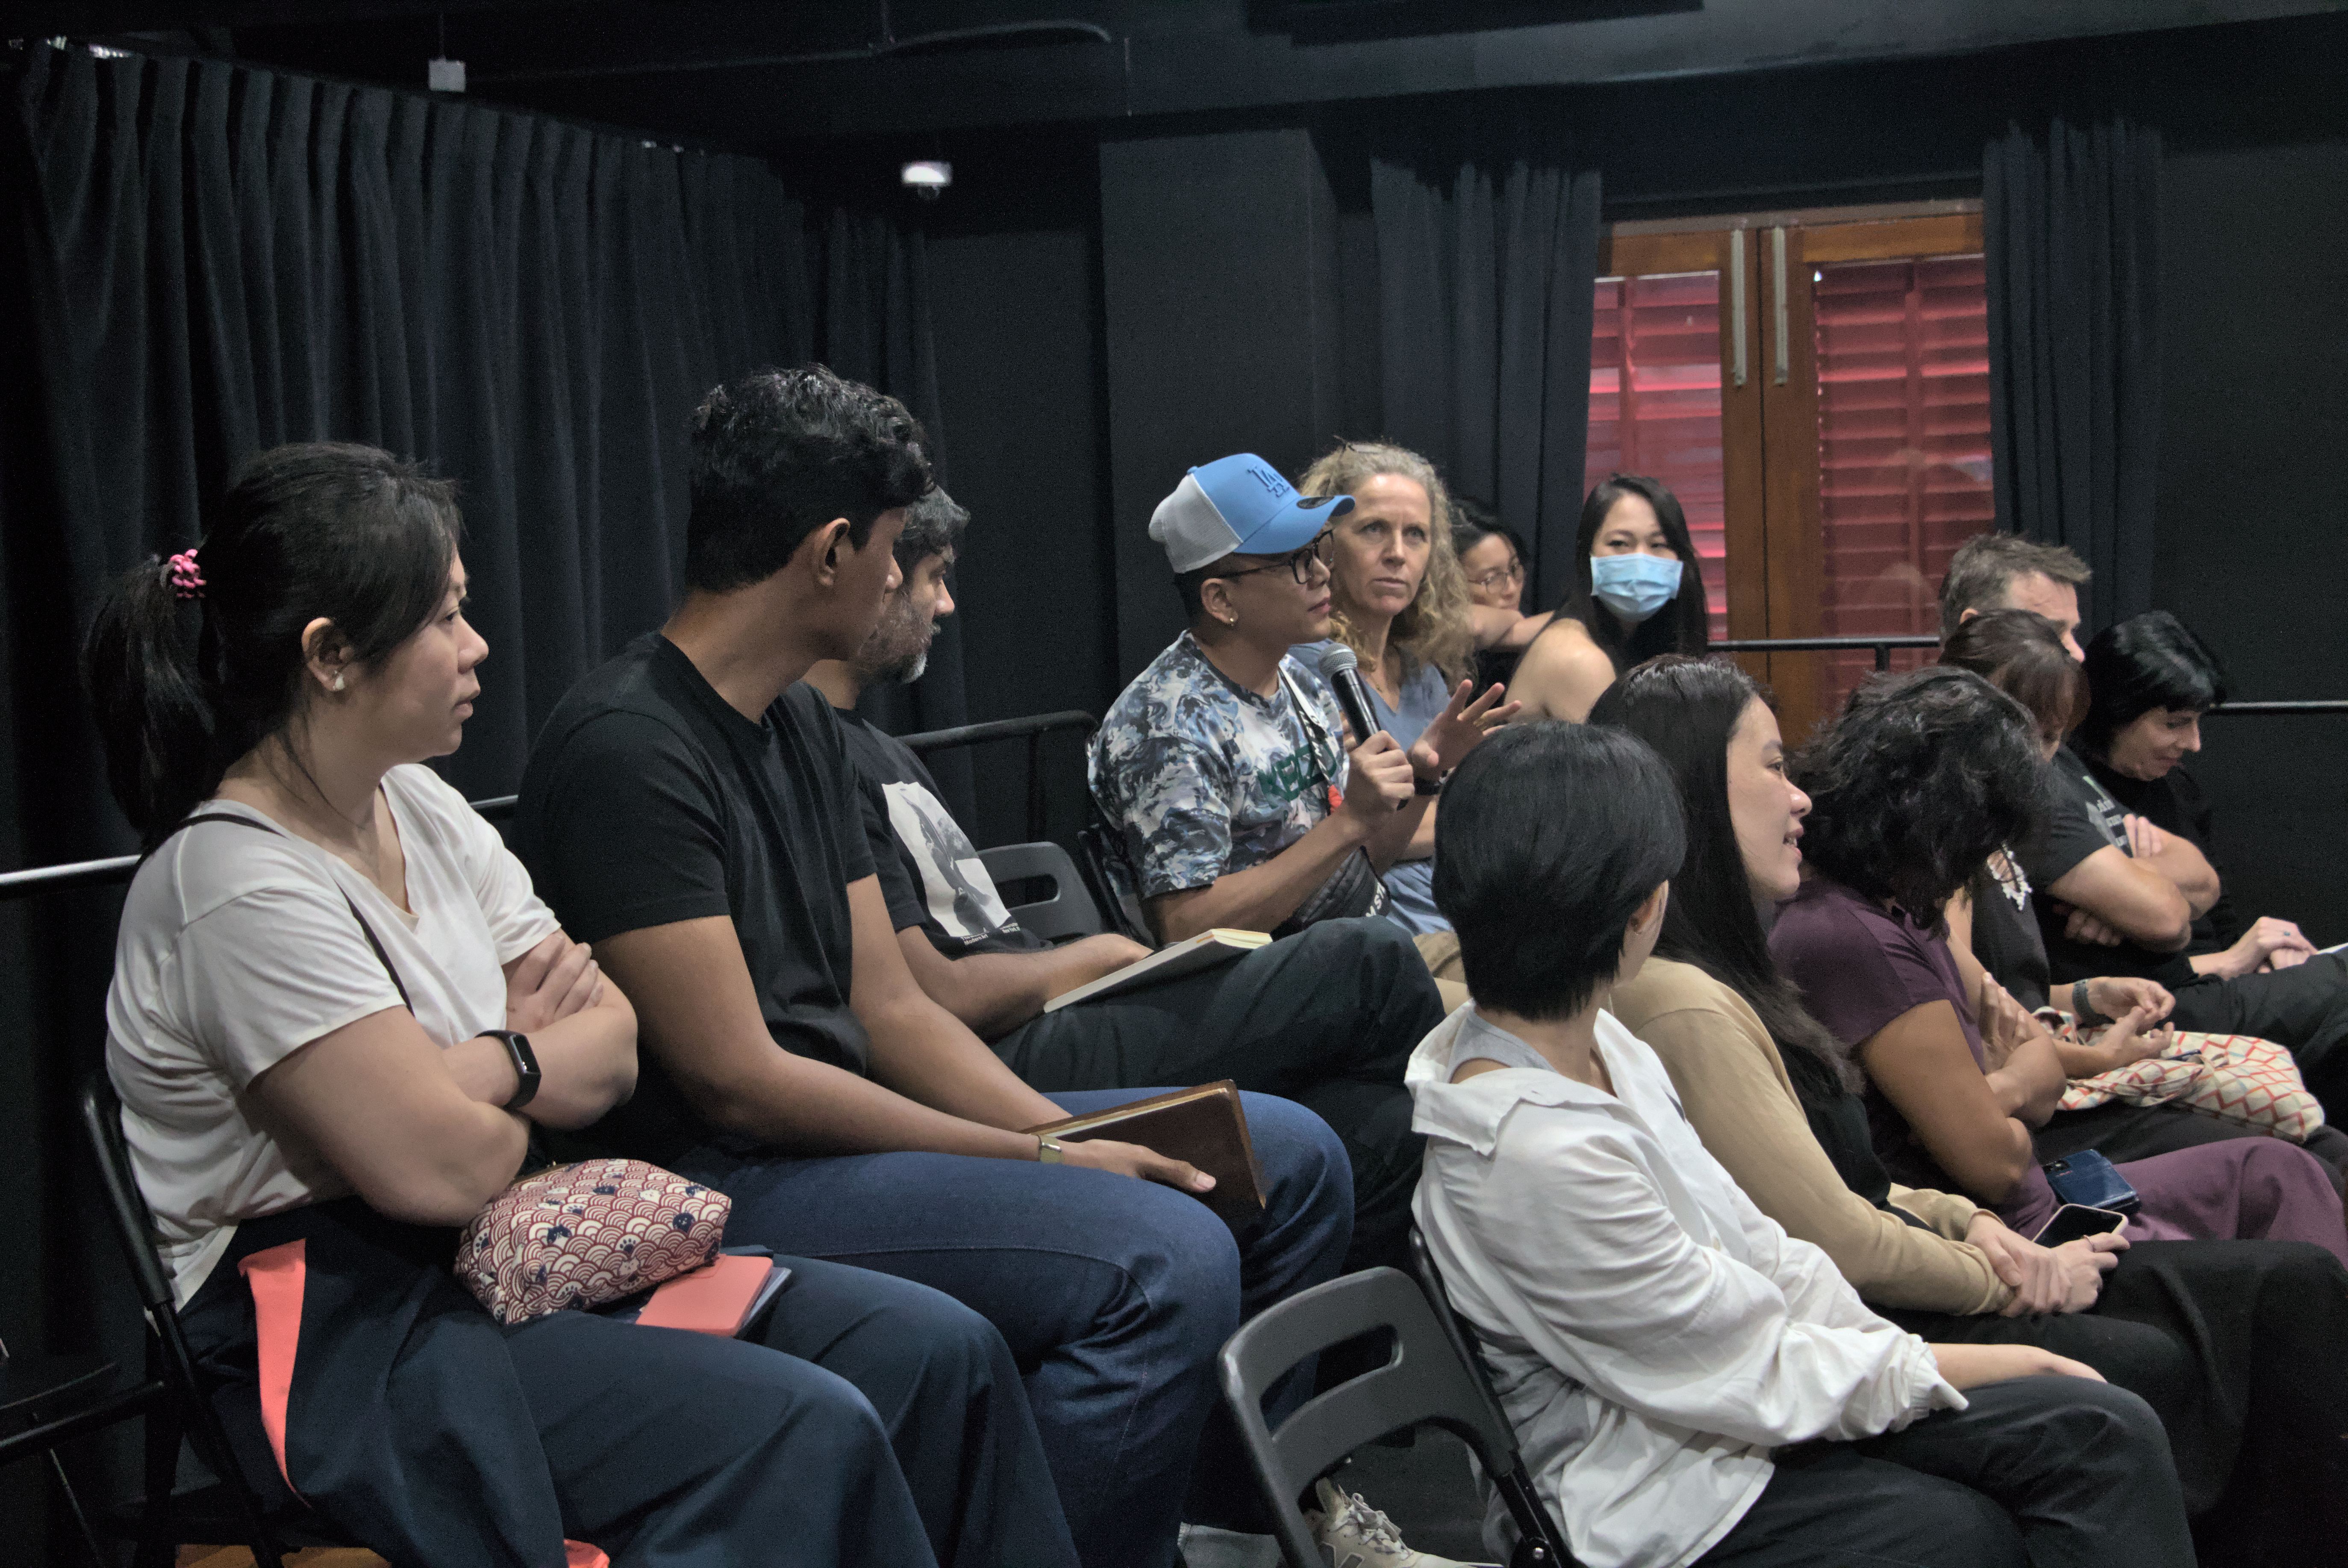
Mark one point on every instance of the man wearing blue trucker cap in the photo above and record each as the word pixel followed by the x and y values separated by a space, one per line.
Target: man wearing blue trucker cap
pixel 1222 769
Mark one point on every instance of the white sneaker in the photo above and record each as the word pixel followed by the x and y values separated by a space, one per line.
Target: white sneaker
pixel 1353 1534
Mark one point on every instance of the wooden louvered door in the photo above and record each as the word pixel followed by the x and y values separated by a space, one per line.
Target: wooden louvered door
pixel 1830 460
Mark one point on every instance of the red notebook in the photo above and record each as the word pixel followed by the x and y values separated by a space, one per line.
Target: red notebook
pixel 717 1298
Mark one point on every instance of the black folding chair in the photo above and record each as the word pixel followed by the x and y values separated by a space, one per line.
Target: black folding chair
pixel 1123 909
pixel 49 1400
pixel 1424 1380
pixel 1069 911
pixel 165 1517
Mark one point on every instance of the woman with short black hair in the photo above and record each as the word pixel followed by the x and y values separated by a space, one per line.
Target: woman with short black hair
pixel 1915 785
pixel 1637 592
pixel 2152 681
pixel 1690 1384
pixel 338 1008
pixel 2188 1326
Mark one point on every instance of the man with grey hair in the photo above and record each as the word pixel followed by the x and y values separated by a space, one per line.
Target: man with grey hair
pixel 2007 571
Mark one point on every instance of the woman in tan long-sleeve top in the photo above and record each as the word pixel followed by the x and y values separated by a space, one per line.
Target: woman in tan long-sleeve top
pixel 2234 1343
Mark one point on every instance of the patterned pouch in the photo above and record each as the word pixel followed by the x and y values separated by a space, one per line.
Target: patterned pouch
pixel 584 1234
pixel 2234 1077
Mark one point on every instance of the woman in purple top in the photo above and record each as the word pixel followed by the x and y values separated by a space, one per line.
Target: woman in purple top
pixel 1917 782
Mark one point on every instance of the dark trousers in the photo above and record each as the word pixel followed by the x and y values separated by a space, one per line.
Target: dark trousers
pixel 2234 1345
pixel 1326 1017
pixel 2305 1008
pixel 2053 1473
pixel 1113 1294
pixel 889 1429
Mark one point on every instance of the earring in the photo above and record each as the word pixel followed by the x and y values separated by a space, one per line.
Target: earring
pixel 338 682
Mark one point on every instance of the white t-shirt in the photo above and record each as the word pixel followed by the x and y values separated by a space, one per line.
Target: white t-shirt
pixel 237 947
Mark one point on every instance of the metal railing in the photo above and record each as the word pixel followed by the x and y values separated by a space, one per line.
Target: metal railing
pixel 497 808
pixel 1882 646
pixel 1031 729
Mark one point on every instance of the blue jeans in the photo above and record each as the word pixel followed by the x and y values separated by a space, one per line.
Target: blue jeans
pixel 1114 1295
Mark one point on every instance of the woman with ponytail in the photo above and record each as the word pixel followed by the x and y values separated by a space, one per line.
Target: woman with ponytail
pixel 338 1010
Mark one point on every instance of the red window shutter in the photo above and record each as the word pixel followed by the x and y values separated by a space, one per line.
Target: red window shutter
pixel 1654 404
pixel 1903 443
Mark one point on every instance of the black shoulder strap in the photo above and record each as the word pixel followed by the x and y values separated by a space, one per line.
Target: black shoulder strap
pixel 368 931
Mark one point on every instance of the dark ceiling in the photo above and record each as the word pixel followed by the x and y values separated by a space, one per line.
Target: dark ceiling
pixel 746 74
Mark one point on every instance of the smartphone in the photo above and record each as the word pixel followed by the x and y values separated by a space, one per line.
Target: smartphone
pixel 2074 1220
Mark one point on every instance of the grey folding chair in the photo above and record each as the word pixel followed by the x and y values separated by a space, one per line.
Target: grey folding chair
pixel 1424 1380
pixel 1069 911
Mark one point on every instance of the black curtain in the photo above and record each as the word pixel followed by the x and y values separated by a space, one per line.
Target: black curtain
pixel 2070 215
pixel 1486 265
pixel 206 260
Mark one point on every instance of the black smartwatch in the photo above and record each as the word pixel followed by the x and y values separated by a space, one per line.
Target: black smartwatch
pixel 525 1063
pixel 1422 785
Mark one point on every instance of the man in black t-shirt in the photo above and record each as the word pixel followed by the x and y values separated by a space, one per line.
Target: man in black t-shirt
pixel 2091 878
pixel 694 809
pixel 1327 1017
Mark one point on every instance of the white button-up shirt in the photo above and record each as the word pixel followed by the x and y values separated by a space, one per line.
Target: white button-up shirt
pixel 1651 1333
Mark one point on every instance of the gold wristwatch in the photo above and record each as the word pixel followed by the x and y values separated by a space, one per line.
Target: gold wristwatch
pixel 1049 1150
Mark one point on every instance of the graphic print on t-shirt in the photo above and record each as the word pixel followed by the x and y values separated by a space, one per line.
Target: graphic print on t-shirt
pixel 960 895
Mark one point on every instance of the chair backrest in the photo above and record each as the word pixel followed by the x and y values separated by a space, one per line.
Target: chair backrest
pixel 134 1229
pixel 1112 893
pixel 1455 1329
pixel 134 1223
pixel 1424 1380
pixel 1069 911
pixel 1514 1485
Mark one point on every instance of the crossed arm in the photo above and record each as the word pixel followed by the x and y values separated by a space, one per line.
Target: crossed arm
pixel 417 1127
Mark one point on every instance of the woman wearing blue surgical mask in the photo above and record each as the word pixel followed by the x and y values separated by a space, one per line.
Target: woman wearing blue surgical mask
pixel 1637 592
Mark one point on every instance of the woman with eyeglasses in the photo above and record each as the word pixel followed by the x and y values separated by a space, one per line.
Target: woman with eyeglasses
pixel 1637 592
pixel 1492 558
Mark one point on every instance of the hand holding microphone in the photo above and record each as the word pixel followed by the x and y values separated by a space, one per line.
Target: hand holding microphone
pixel 1379 776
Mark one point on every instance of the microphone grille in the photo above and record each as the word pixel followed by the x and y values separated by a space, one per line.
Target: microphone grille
pixel 1338 660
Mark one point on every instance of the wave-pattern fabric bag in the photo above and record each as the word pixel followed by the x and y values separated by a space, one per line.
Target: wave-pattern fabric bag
pixel 586 1234
pixel 2234 1077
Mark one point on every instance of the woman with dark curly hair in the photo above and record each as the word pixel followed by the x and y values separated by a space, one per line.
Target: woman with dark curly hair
pixel 1917 783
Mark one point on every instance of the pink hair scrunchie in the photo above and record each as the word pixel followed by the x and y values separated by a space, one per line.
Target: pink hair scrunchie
pixel 186 578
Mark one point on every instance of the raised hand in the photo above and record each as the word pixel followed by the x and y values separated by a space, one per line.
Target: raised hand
pixel 1455 731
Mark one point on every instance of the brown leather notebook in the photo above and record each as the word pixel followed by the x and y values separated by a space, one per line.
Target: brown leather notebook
pixel 1205 1126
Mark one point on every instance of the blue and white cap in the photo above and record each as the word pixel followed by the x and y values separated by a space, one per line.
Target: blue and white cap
pixel 1239 505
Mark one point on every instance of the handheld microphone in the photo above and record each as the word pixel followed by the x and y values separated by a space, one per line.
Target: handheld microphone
pixel 1342 670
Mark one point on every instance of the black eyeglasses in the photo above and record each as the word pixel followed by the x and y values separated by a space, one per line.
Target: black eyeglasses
pixel 1298 562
